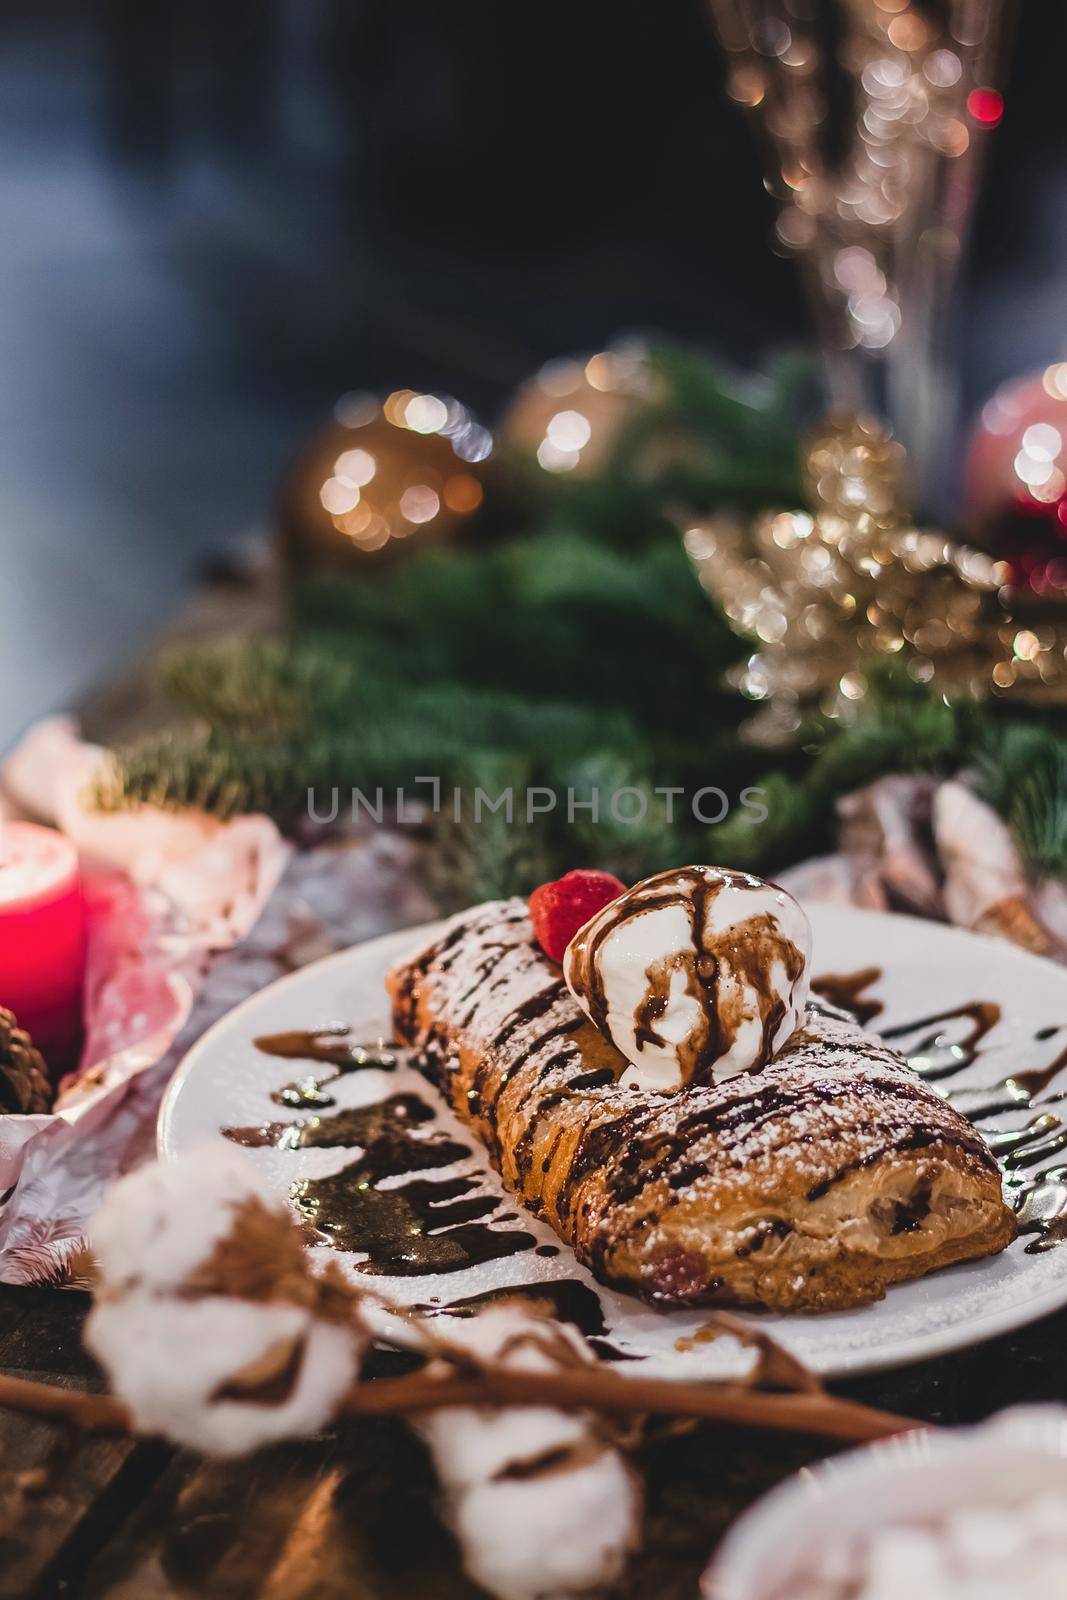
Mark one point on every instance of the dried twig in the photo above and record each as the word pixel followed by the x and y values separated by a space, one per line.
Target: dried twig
pixel 586 1388
pixel 95 1413
pixel 598 1389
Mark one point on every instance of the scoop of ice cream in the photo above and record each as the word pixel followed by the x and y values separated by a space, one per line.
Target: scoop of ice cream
pixel 694 975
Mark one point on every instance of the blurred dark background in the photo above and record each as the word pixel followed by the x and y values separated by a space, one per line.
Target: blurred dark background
pixel 220 214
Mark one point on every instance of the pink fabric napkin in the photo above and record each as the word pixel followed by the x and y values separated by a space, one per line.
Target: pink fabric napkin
pixel 166 893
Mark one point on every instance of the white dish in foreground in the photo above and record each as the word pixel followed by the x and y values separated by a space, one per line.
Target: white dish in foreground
pixel 918 1479
pixel 926 969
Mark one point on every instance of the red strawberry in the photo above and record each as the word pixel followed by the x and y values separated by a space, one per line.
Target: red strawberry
pixel 559 909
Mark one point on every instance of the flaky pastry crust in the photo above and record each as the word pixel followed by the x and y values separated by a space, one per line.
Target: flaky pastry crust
pixel 813 1184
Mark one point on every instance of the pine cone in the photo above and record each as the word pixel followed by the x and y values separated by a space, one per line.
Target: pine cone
pixel 24 1081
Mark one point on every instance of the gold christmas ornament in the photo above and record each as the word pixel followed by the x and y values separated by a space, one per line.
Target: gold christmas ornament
pixel 382 477
pixel 568 415
pixel 827 594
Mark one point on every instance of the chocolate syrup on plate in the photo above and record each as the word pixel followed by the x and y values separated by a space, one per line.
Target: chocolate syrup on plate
pixel 427 1225
pixel 1041 1207
pixel 567 1299
pixel 328 1044
pixel 331 1045
pixel 384 1132
pixel 846 990
pixel 410 1230
pixel 949 1041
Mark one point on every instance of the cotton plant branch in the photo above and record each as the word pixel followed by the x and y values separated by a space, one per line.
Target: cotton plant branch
pixel 597 1389
pixel 76 1408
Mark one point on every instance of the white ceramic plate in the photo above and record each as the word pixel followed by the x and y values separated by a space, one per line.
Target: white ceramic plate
pixel 926 968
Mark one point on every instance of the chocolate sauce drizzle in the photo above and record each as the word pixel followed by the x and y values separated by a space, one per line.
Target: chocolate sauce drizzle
pixel 566 1299
pixel 943 1050
pixel 937 1054
pixel 330 1045
pixel 846 990
pixel 1041 1208
pixel 406 1230
pixel 384 1132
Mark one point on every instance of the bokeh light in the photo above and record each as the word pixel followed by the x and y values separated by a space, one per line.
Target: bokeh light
pixel 385 471
pixel 986 106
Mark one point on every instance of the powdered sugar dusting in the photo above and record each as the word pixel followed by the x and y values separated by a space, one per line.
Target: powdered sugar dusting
pixel 836 1097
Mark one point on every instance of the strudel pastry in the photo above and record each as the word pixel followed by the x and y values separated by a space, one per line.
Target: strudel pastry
pixel 812 1183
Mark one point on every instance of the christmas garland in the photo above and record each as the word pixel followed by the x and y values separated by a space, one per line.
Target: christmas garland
pixel 581 656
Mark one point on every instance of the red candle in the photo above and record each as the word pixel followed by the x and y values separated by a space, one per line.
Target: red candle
pixel 42 937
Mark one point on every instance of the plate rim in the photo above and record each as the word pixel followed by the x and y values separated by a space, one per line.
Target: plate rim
pixel 906 1351
pixel 187 1064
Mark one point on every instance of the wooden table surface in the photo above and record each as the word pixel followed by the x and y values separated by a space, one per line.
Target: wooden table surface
pixel 352 1514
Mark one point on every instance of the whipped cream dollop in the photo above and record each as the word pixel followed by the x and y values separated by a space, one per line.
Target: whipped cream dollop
pixel 694 975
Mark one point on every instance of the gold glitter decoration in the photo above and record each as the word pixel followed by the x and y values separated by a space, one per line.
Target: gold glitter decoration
pixel 827 594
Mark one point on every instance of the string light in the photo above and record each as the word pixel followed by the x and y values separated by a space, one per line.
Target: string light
pixel 986 106
pixel 914 83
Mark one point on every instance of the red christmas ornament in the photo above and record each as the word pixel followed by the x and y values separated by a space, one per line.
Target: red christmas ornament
pixel 1016 480
pixel 559 909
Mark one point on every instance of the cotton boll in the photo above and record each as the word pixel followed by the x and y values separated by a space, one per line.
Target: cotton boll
pixel 906 1561
pixel 1046 1518
pixel 560 1534
pixel 542 1502
pixel 164 1221
pixel 978 1537
pixel 471 1446
pixel 169 1359
pixel 209 1321
pixel 514 1333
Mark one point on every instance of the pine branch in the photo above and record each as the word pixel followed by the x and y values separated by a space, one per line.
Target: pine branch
pixel 1023 774
pixel 487 852
pixel 583 653
pixel 237 684
pixel 222 776
pixel 798 823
